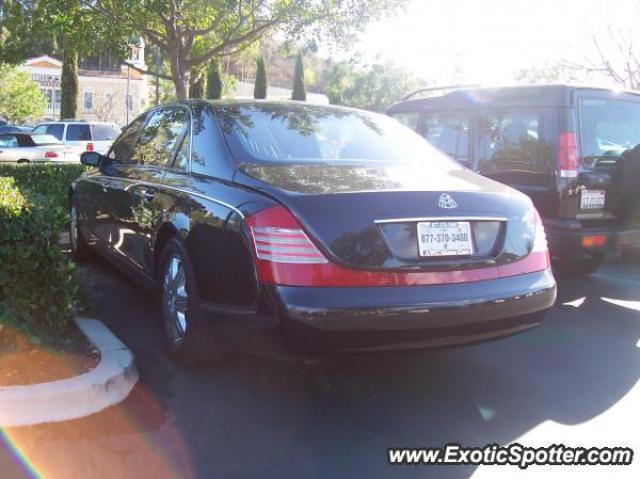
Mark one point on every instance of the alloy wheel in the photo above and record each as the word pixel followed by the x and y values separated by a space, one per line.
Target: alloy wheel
pixel 175 300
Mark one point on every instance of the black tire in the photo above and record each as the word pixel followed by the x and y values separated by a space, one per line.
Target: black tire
pixel 79 249
pixel 580 267
pixel 196 342
pixel 23 161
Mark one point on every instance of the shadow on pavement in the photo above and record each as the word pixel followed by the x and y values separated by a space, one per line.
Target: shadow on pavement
pixel 252 416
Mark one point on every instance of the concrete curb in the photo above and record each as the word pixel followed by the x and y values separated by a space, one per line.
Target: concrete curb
pixel 109 383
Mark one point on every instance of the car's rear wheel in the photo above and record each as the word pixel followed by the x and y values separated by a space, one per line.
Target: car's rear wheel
pixel 580 267
pixel 189 337
pixel 22 161
pixel 79 248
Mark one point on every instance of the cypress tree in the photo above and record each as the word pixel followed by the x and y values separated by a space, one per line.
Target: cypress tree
pixel 196 86
pixel 69 83
pixel 299 92
pixel 260 87
pixel 214 81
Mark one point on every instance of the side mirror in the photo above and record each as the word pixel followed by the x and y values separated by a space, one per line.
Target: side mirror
pixel 91 158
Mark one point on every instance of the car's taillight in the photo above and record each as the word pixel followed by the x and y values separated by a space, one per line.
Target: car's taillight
pixel 568 155
pixel 89 146
pixel 50 154
pixel 281 246
pixel 539 238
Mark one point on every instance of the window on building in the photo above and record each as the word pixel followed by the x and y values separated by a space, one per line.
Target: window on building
pixel 88 101
pixel 129 101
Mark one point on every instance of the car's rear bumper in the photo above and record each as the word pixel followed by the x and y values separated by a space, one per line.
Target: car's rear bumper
pixel 361 318
pixel 566 242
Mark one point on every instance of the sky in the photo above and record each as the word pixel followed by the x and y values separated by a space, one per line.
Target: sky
pixel 485 41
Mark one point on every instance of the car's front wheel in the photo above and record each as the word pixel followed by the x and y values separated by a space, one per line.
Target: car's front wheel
pixel 189 337
pixel 79 249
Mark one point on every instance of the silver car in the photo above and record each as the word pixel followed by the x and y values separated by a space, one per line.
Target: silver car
pixel 29 147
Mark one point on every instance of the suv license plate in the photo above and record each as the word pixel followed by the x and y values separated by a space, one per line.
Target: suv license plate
pixel 592 199
pixel 444 238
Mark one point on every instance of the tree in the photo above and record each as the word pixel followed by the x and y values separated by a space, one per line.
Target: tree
pixel 299 91
pixel 214 81
pixel 20 97
pixel 194 32
pixel 615 54
pixel 260 86
pixel 371 87
pixel 69 84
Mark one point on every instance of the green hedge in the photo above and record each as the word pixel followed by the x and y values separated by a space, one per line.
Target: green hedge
pixel 48 179
pixel 36 281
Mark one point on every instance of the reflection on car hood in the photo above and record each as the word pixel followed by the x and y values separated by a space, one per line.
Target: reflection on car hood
pixel 363 176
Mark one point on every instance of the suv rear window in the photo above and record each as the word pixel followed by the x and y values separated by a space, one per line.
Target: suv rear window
pixel 607 128
pixel 78 133
pixel 102 132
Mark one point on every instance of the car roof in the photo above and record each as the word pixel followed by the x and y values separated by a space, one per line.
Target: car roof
pixel 550 95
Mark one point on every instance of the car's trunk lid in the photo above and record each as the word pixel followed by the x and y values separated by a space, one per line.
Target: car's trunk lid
pixel 367 215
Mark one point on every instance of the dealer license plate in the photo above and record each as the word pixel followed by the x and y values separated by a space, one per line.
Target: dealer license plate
pixel 444 238
pixel 592 199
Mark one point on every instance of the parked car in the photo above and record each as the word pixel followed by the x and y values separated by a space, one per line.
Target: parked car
pixel 14 129
pixel 29 147
pixel 88 135
pixel 342 229
pixel 561 145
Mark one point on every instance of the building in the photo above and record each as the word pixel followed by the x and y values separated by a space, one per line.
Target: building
pixel 114 94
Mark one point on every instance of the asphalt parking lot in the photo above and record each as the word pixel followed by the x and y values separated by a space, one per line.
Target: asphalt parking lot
pixel 573 381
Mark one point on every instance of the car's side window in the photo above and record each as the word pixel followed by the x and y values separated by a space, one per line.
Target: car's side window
pixel 449 132
pixel 78 132
pixel 161 137
pixel 408 118
pixel 512 146
pixel 122 146
pixel 181 161
pixel 8 141
pixel 55 129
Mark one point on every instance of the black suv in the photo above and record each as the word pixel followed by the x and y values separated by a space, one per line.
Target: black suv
pixel 571 149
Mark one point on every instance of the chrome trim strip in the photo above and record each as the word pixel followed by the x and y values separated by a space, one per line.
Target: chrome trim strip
pixel 442 218
pixel 167 187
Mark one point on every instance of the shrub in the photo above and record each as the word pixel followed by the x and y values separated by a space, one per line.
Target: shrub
pixel 36 282
pixel 48 179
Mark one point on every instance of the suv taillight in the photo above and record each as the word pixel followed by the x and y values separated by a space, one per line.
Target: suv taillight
pixel 568 155
pixel 89 146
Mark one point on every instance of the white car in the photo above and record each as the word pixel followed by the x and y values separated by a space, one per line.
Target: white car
pixel 88 135
pixel 30 148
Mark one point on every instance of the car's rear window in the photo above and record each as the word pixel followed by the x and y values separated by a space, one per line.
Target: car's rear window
pixel 105 132
pixel 78 133
pixel 607 128
pixel 282 133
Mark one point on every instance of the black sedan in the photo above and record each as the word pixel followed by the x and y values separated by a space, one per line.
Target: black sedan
pixel 339 229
